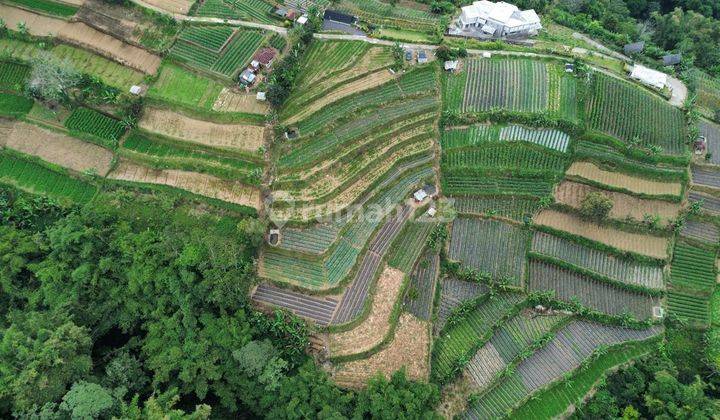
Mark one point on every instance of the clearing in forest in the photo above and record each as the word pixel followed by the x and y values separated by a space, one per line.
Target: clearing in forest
pixel 239 137
pixel 634 184
pixel 651 246
pixel 409 348
pixel 196 183
pixel 624 205
pixel 59 149
pixel 376 326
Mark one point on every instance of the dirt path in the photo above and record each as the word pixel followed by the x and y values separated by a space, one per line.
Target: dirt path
pixel 59 149
pixel 240 137
pixel 197 183
pixel 651 246
pixel 634 184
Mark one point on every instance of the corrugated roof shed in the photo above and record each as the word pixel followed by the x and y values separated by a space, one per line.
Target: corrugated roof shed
pixel 634 48
pixel 672 59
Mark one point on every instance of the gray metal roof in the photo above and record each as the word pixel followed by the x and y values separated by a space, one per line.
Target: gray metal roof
pixel 672 59
pixel 634 48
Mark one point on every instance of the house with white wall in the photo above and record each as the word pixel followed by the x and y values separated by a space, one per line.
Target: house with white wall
pixel 486 19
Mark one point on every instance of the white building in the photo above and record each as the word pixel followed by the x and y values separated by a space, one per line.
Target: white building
pixel 497 20
pixel 650 77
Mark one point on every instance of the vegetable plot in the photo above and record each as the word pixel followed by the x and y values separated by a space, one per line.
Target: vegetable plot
pixel 88 121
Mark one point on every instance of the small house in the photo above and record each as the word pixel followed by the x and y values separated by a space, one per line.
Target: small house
pixel 420 195
pixel 569 68
pixel 634 48
pixel 247 77
pixel 430 190
pixel 255 65
pixel 409 55
pixel 265 57
pixel 261 96
pixel 432 211
pixel 451 65
pixel 672 59
pixel 281 11
pixel 650 77
pixel 422 57
pixel 274 237
pixel 291 15
pixel 302 20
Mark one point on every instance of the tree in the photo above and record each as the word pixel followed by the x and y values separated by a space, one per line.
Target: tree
pixel 669 398
pixel 124 372
pixel 41 355
pixel 397 398
pixel 596 206
pixel 51 78
pixel 87 400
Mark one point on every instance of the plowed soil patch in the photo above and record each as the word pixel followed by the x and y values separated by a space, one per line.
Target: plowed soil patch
pixel 37 25
pixel 173 6
pixel 229 101
pixel 59 149
pixel 226 136
pixel 624 205
pixel 409 348
pixel 197 183
pixel 651 246
pixel 375 327
pixel 634 184
pixel 368 82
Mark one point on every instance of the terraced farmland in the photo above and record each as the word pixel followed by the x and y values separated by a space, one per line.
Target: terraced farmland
pixel 377 12
pixel 105 129
pixel 708 93
pixel 503 258
pixel 622 110
pixel 610 157
pixel 454 293
pixel 631 184
pixel 219 50
pixel 13 76
pixel 507 344
pixel 175 85
pixel 251 10
pixel 511 207
pixel 459 340
pixel 705 177
pixel 711 132
pixel 478 135
pixel 464 183
pixel 409 245
pixel 615 268
pixel 701 231
pixel 505 156
pixel 709 204
pixel 571 346
pixel 35 178
pixel 590 292
pixel 420 293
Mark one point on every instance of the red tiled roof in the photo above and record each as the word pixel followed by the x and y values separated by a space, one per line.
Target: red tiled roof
pixel 265 56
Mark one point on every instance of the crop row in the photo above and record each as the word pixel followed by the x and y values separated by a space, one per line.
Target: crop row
pixel 689 307
pixel 13 76
pixel 208 48
pixel 38 179
pixel 503 257
pixel 50 7
pixel 572 345
pixel 517 208
pixel 701 231
pixel 609 156
pixel 618 269
pixel 453 293
pixel 312 240
pixel 552 139
pixel 254 10
pixel 380 13
pixel 326 58
pixel 693 268
pixel 417 82
pixel 419 296
pixel 458 340
pixel 88 121
pixel 508 342
pixel 514 84
pixel 458 183
pixel 363 126
pixel 194 159
pixel 14 105
pixel 628 113
pixel 505 156
pixel 479 134
pixel 595 294
pixel 711 132
pixel 409 245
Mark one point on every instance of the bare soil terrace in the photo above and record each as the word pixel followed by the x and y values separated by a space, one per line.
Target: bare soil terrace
pixel 651 246
pixel 239 137
pixel 624 206
pixel 58 148
pixel 229 101
pixel 409 348
pixel 197 183
pixel 375 327
pixel 631 183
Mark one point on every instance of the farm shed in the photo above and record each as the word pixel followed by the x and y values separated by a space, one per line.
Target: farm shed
pixel 247 77
pixel 420 195
pixel 634 48
pixel 336 16
pixel 265 56
pixel 672 59
pixel 302 20
pixel 451 65
pixel 649 77
pixel 422 57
